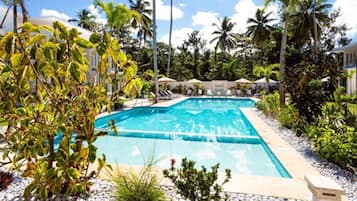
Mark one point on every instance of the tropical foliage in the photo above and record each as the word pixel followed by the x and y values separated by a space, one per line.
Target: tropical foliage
pixel 49 109
pixel 197 184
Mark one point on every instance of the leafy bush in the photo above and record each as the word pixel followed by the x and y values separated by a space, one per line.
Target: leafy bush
pixel 44 93
pixel 288 116
pixel 143 186
pixel 338 146
pixel 269 104
pixel 333 138
pixel 5 179
pixel 197 185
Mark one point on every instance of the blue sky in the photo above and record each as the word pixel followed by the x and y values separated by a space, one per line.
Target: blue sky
pixel 188 14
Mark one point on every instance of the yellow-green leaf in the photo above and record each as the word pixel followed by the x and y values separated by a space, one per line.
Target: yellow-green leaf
pixel 16 59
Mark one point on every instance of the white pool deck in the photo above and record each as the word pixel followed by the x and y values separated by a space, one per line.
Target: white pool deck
pixel 295 164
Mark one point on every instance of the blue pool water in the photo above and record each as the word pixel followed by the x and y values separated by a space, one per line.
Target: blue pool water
pixel 206 130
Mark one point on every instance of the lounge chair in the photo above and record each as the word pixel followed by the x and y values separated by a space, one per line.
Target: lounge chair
pixel 209 92
pixel 249 92
pixel 239 92
pixel 199 92
pixel 228 92
pixel 164 96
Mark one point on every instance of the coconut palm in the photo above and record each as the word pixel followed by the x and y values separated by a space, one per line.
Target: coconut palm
pixel 170 34
pixel 259 30
pixel 85 20
pixel 309 18
pixel 288 7
pixel 197 43
pixel 14 4
pixel 225 38
pixel 144 25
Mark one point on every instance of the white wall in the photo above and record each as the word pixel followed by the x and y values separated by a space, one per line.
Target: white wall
pixel 352 82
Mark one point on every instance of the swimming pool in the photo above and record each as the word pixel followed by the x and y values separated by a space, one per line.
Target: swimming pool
pixel 207 130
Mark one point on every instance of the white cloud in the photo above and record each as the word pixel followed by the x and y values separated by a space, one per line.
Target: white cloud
pixel 99 18
pixel 348 15
pixel 204 18
pixel 182 4
pixel 163 11
pixel 54 13
pixel 245 9
pixel 178 36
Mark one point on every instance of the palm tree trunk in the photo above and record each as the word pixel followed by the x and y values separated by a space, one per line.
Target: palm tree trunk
pixel 25 13
pixel 170 33
pixel 5 16
pixel 316 42
pixel 155 49
pixel 283 60
pixel 15 18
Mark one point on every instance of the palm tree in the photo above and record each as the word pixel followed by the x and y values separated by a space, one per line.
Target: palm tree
pixel 144 26
pixel 266 71
pixel 85 19
pixel 118 16
pixel 170 34
pixel 155 50
pixel 197 43
pixel 309 17
pixel 288 7
pixel 14 4
pixel 260 30
pixel 225 38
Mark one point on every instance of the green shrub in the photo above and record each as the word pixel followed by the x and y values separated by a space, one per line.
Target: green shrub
pixel 333 138
pixel 288 116
pixel 197 185
pixel 269 104
pixel 143 186
pixel 338 146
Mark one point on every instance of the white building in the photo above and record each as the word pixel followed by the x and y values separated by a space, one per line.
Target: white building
pixel 350 65
pixel 93 58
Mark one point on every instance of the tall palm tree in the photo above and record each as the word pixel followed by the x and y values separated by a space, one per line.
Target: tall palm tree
pixel 260 30
pixel 144 26
pixel 197 43
pixel 288 7
pixel 266 71
pixel 170 34
pixel 225 39
pixel 309 17
pixel 14 4
pixel 155 50
pixel 85 19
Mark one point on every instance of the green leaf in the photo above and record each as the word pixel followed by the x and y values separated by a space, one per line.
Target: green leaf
pixel 16 59
pixel 83 43
pixel 35 39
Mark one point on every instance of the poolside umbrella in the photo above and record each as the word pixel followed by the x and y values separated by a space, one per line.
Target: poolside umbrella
pixel 166 80
pixel 193 81
pixel 243 80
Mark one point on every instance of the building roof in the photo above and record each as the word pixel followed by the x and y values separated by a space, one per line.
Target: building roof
pixel 49 21
pixel 352 45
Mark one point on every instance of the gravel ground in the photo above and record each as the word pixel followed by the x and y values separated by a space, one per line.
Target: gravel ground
pixel 346 179
pixel 104 190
